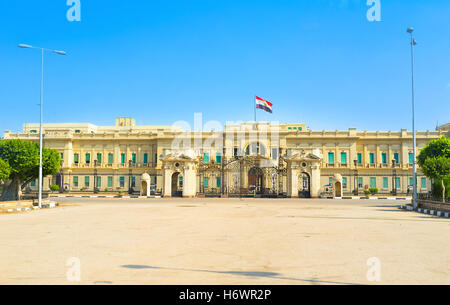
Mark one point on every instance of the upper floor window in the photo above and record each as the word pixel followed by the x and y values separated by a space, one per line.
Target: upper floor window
pixel 384 158
pixel 122 158
pixel 133 158
pixel 99 158
pixel 206 157
pixel 218 157
pixel 411 158
pixel 331 158
pixel 33 131
pixel 372 158
pixel 396 158
pixel 76 158
pixel 343 157
pixel 145 158
pixel 255 148
pixel 359 158
pixel 77 131
pixel 110 158
pixel 88 158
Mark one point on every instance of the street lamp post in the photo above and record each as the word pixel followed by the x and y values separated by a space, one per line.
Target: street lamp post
pixel 356 178
pixel 394 179
pixel 95 177
pixel 24 46
pixel 413 43
pixel 129 177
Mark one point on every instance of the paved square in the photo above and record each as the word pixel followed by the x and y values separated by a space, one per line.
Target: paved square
pixel 224 241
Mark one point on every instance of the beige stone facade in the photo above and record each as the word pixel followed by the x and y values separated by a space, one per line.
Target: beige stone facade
pixel 247 158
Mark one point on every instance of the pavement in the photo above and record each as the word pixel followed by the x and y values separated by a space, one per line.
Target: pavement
pixel 224 241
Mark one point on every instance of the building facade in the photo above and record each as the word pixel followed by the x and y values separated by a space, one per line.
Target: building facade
pixel 242 159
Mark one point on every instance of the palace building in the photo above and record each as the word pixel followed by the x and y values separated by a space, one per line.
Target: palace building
pixel 245 159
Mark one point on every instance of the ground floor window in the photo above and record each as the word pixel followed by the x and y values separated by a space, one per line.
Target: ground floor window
pixel 99 181
pixel 33 183
pixel 385 182
pixel 133 181
pixel 397 182
pixel 373 182
pixel 218 182
pixel 110 181
pixel 122 181
pixel 360 182
pixel 423 182
pixel 86 181
pixel 205 181
pixel 344 182
pixel 75 181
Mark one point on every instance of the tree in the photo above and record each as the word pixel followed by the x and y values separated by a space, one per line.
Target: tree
pixel 23 160
pixel 5 170
pixel 434 159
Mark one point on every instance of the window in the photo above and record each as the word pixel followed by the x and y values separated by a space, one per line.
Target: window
pixel 33 183
pixel 385 182
pixel 75 158
pixel 122 181
pixel 397 182
pixel 274 153
pixel 218 182
pixel 360 182
pixel 88 158
pixel 344 182
pixel 423 182
pixel 205 158
pixel 343 157
pixel 373 182
pixel 110 181
pixel 62 156
pixel 411 181
pixel 122 158
pixel 33 131
pixel 384 158
pixel 218 158
pixel 99 158
pixel 99 181
pixel 156 159
pixel 411 158
pixel 205 181
pixel 359 158
pixel 86 181
pixel 330 180
pixel 77 131
pixel 110 158
pixel 372 158
pixel 331 158
pixel 133 158
pixel 145 158
pixel 396 158
pixel 75 181
pixel 133 181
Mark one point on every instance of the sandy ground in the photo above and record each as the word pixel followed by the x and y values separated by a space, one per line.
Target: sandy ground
pixel 223 241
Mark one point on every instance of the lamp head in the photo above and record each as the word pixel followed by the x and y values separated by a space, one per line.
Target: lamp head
pixel 24 46
pixel 410 30
pixel 59 52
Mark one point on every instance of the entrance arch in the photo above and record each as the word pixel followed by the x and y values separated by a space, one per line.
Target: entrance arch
pixel 255 180
pixel 338 189
pixel 177 185
pixel 304 184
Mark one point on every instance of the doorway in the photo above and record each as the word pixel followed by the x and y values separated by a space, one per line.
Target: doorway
pixel 304 190
pixel 255 180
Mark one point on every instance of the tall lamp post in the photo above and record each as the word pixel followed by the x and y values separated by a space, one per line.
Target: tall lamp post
pixel 413 43
pixel 25 46
pixel 394 178
pixel 356 191
pixel 95 177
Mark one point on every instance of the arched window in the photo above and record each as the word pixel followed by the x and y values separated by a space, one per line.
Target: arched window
pixel 255 148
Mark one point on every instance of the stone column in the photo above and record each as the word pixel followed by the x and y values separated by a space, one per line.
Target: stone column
pixel 292 181
pixel 190 180
pixel 167 183
pixel 315 180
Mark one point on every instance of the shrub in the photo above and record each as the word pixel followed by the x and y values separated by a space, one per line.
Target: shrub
pixel 373 190
pixel 54 188
pixel 367 192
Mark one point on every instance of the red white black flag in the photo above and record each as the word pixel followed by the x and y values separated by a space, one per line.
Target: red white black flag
pixel 263 104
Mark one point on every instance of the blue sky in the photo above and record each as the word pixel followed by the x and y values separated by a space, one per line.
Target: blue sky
pixel 320 62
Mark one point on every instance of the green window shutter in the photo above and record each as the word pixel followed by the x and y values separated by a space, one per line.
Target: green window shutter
pixel 396 158
pixel 99 158
pixel 218 158
pixel 373 182
pixel 218 182
pixel 385 182
pixel 33 183
pixel 99 181
pixel 360 181
pixel 411 181
pixel 423 182
pixel 75 158
pixel 145 158
pixel 110 158
pixel 344 182
pixel 122 158
pixel 411 158
pixel 359 158
pixel 397 182
pixel 75 181
pixel 86 180
pixel 343 158
pixel 205 181
pixel 330 180
pixel 133 158
pixel 88 158
pixel 372 158
pixel 206 158
pixel 331 158
pixel 384 158
pixel 110 181
pixel 156 159
pixel 122 181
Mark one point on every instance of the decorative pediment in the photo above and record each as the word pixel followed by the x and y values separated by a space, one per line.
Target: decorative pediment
pixel 304 157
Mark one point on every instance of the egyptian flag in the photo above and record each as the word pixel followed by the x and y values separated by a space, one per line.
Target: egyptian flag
pixel 263 104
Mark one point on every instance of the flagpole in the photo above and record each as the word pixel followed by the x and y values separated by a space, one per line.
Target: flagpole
pixel 254 105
